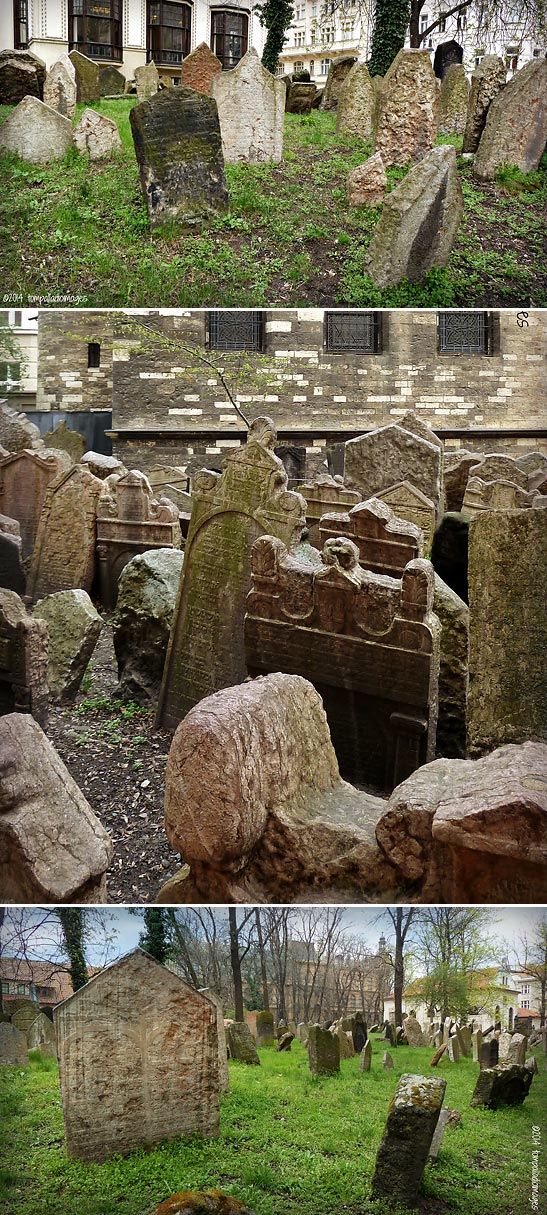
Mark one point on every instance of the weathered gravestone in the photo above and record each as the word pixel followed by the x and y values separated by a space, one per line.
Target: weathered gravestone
pixel 419 221
pixel 285 1041
pixel 387 1061
pixel 96 136
pixel 508 629
pixel 325 495
pixel 302 1033
pixel 486 82
pixel 504 1042
pixel 64 552
pixel 60 87
pixel 131 521
pixel 40 1032
pixel 24 478
pixel 141 624
pixel 369 646
pixel 495 467
pixel 111 81
pixel 494 495
pixel 367 184
pixel 407 111
pixel 516 1051
pixel 23 660
pixel 251 109
pixel 411 1121
pixel 264 1029
pixel 489 1053
pixel 16 432
pixel 199 68
pixel 456 467
pixel 506 1084
pixel 73 626
pixel 138 1060
pixel 344 1043
pixel 301 95
pixel 453 1050
pixel 64 438
pixel 178 148
pixel 390 455
pixel 444 1118
pixel 414 1033
pixel 21 75
pixel 385 543
pixel 223 1075
pixel 338 71
pixel 52 847
pixel 36 132
pixel 230 510
pixel 102 466
pixel 359 1033
pixel 515 132
pixel 442 1047
pixel 453 614
pixel 12 574
pixel 24 1015
pixel 241 1043
pixel 147 81
pixel 356 101
pixel 87 78
pixel 365 1057
pixel 13 1046
pixel 476 1043
pixel 454 101
pixel 323 1051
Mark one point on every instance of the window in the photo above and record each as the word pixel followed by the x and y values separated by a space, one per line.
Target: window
pixel 526 989
pixel 93 354
pixel 465 333
pixel 346 331
pixel 169 24
pixel 312 65
pixel 21 989
pixel 5 987
pixel 525 1003
pixel 299 65
pixel 95 28
pixel 442 25
pixel 229 32
pixel 424 22
pixel 236 330
pixel 329 34
pixel 20 24
pixel 324 68
pixel 45 993
pixel 461 21
pixel 300 38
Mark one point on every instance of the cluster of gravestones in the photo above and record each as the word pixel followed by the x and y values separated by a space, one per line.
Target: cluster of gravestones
pixel 25 1028
pixel 358 653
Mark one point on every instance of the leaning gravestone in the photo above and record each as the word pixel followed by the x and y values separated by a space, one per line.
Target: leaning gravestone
pixel 131 1042
pixel 414 1033
pixel 111 81
pixel 506 1084
pixel 484 496
pixel 64 553
pixel 365 1057
pixel 476 1043
pixel 12 574
pixel 87 78
pixel 367 184
pixel 60 87
pixel 23 660
pixel 223 1075
pixel 355 111
pixel 517 1049
pixel 390 454
pixel 13 1046
pixel 147 593
pixel 507 700
pixel 52 847
pixel 387 1061
pixel 486 82
pixel 64 438
pixel 323 1051
pixel 251 109
pixel 147 81
pixel 338 71
pixel 230 511
pixel 21 75
pixel 515 132
pixel 454 101
pixel 386 544
pixel 178 148
pixel 36 132
pixel 97 136
pixel 16 432
pixel 74 626
pixel 405 124
pixel 131 521
pixel 241 1043
pixel 40 1032
pixel 301 95
pixel 419 221
pixel 24 479
pixel 199 68
pixel 411 1121
pixel 359 1033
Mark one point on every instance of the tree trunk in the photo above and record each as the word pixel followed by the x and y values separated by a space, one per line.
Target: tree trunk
pixel 262 956
pixel 72 923
pixel 236 964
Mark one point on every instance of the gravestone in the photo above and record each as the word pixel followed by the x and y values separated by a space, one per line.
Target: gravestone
pixel 500 468
pixel 444 1118
pixel 178 148
pixel 111 81
pixel 302 1033
pixel 419 221
pixel 456 467
pixel 24 1014
pixel 159 1039
pixel 285 1041
pixel 141 624
pixel 345 1046
pixel 60 87
pixel 74 627
pixel 52 847
pixel 375 462
pixel 21 75
pixel 359 1033
pixel 338 72
pixel 199 68
pixel 487 81
pixel 23 660
pixel 251 110
pixel 414 1033
pixel 130 521
pixel 40 1032
pixel 504 1042
pixel 446 54
pixel 454 101
pixel 16 432
pixel 96 136
pixel 64 438
pixel 494 495
pixel 385 543
pixel 147 81
pixel 264 1029
pixel 515 131
pixel 453 614
pixel 241 1043
pixel 507 700
pixel 325 495
pixel 223 1074
pixel 407 109
pixel 410 504
pixel 442 1047
pixel 506 1084
pixel 301 95
pixel 365 1057
pixel 402 1155
pixel 13 1046
pixel 516 1052
pixel 230 510
pixel 87 78
pixel 102 466
pixel 36 132
pixel 323 1051
pixel 12 573
pixel 367 184
pixel 356 101
pixel 24 478
pixel 476 1044
pixel 64 552
pixel 369 646
pixel 387 1061
pixel 453 1050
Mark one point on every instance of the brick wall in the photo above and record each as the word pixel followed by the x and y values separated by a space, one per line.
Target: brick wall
pixel 65 381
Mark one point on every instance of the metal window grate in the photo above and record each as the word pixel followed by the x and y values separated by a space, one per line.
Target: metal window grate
pixel 463 332
pixel 353 331
pixel 236 330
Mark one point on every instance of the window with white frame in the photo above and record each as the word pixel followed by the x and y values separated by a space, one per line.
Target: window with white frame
pixel 324 69
pixel 299 66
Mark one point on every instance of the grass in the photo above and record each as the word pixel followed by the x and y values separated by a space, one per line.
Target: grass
pixel 78 233
pixel 289 1144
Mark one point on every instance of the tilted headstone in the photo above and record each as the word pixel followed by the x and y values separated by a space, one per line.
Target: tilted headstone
pixel 339 70
pixel 506 1084
pixel 364 645
pixel 23 660
pixel 377 461
pixel 476 1043
pixel 12 573
pixel 486 82
pixel 199 68
pixel 359 1033
pixel 21 75
pixel 131 521
pixel 36 132
pixel 411 1121
pixel 111 81
pixel 17 433
pixel 323 1051
pixel 500 468
pixel 60 87
pixel 301 95
pixel 64 438
pixel 24 1015
pixel 407 110
pixel 230 510
pixel 24 478
pixel 64 552
pixel 356 101
pixel 365 1057
pixel 346 1047
pixel 457 466
pixel 515 131
pixel 442 1047
pixel 504 1042
pixel 444 1118
pixel 516 1052
pixel 223 1074
pixel 366 185
pixel 264 1029
pixel 385 543
pixel 241 1043
pixel 285 1041
pixel 178 148
pixel 251 110
pixel 387 1061
pixel 73 627
pixel 13 1046
pixel 97 136
pixel 52 847
pixel 141 624
pixel 130 1042
pixel 147 81
pixel 454 101
pixel 87 77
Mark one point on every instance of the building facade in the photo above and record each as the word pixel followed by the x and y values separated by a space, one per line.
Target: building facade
pixel 129 33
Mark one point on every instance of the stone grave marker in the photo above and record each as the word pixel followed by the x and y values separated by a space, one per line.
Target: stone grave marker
pixel 411 1122
pixel 414 1033
pixel 147 81
pixel 407 110
pixel 476 1043
pixel 24 1015
pixel 199 68
pixel 506 1084
pixel 36 132
pixel 73 627
pixel 285 1041
pixel 346 1048
pixel 13 1046
pixel 64 552
pixel 111 81
pixel 301 95
pixel 16 432
pixel 359 1033
pixel 131 521
pixel 486 82
pixel 23 660
pixel 444 1118
pixel 365 1057
pixel 60 87
pixel 12 573
pixel 323 1051
pixel 367 184
pixel 454 101
pixel 387 1061
pixel 223 1074
pixel 338 72
pixel 21 75
pixel 251 110
pixel 377 461
pixel 87 78
pixel 159 1037
pixel 96 136
pixel 356 101
pixel 442 1047
pixel 230 510
pixel 453 1049
pixel 494 495
pixel 385 543
pixel 40 1032
pixel 141 624
pixel 64 438
pixel 489 1054
pixel 515 131
pixel 241 1043
pixel 516 1051
pixel 325 495
pixel 264 1029
pixel 24 478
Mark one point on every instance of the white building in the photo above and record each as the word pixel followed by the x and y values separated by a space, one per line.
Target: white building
pixel 129 33
pixel 497 996
pixel 19 371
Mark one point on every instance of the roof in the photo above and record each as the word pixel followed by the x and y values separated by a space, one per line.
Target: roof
pixel 483 977
pixel 44 974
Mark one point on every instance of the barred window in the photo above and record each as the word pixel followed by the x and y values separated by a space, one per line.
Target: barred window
pixel 236 330
pixel 346 331
pixel 465 332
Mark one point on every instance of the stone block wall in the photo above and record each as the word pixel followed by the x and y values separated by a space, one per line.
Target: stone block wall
pixel 65 381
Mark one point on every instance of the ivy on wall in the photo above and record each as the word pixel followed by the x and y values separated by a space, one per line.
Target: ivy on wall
pixel 276 16
pixel 391 18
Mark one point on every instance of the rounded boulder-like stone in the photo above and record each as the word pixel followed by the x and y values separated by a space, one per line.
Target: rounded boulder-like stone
pixel 147 592
pixel 367 184
pixel 74 627
pixel 202 1202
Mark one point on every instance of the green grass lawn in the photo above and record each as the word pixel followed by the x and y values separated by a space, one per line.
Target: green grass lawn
pixel 73 232
pixel 289 1145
